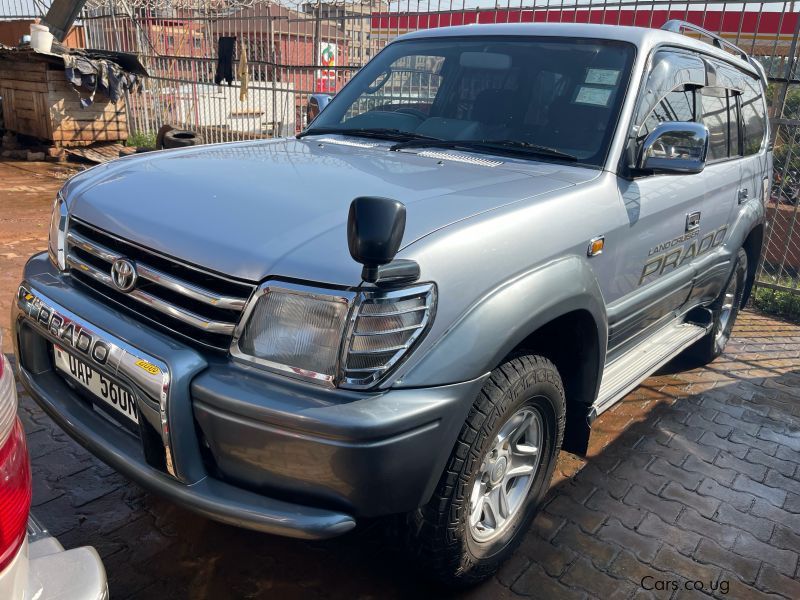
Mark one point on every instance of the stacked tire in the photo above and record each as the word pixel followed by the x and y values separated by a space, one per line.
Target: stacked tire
pixel 169 137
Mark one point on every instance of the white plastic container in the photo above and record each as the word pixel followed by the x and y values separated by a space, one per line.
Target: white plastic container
pixel 41 38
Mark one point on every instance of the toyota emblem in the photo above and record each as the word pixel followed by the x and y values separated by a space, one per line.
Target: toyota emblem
pixel 123 274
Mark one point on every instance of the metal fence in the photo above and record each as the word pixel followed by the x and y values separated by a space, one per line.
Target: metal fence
pixel 296 48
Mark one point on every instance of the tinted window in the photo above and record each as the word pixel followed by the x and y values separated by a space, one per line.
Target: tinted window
pixel 671 71
pixel 720 116
pixel 561 93
pixel 733 125
pixel 676 106
pixel 723 107
pixel 476 83
pixel 547 86
pixel 754 117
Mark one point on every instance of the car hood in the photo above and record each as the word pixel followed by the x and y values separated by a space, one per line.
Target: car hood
pixel 279 208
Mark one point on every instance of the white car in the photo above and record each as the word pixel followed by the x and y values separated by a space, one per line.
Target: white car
pixel 33 565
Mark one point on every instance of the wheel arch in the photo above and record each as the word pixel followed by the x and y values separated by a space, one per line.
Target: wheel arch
pixel 556 310
pixel 572 343
pixel 753 245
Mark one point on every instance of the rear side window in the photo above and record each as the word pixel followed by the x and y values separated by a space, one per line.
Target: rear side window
pixel 734 148
pixel 754 117
pixel 720 116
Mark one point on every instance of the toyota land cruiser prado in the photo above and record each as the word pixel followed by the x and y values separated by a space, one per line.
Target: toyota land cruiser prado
pixel 487 237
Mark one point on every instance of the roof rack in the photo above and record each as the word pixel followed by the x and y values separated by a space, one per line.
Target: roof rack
pixel 678 26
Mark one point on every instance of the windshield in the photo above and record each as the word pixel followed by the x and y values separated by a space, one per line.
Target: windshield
pixel 551 98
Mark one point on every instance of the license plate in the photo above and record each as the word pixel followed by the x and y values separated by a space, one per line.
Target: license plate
pixel 99 385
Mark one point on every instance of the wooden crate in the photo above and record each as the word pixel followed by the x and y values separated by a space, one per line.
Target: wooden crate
pixel 39 102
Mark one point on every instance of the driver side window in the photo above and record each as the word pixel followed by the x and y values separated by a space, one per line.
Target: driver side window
pixel 669 94
pixel 678 105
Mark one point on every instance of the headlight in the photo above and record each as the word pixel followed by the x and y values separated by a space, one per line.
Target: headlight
pixel 295 332
pixel 336 338
pixel 385 328
pixel 58 233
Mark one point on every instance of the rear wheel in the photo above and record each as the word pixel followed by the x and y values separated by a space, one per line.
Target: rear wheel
pixel 724 311
pixel 496 476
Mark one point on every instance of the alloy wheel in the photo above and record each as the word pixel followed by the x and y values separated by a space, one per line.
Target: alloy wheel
pixel 506 474
pixel 726 310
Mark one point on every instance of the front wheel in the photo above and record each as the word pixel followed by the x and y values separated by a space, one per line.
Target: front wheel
pixel 496 476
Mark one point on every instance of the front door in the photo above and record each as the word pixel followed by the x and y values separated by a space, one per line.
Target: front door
pixel 654 266
pixel 654 271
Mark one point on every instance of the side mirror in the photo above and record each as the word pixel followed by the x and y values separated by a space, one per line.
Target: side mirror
pixel 316 103
pixel 375 228
pixel 678 148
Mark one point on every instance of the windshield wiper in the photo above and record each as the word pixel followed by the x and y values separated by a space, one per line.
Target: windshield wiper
pixel 375 132
pixel 502 146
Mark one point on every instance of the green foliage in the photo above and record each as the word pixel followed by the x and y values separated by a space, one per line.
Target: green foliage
pixel 778 302
pixel 787 151
pixel 791 109
pixel 142 139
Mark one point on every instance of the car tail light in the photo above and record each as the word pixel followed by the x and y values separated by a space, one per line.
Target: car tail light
pixel 15 472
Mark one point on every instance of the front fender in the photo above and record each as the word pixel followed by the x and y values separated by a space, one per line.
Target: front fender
pixel 492 327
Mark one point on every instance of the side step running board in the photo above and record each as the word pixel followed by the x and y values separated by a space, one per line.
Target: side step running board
pixel 628 371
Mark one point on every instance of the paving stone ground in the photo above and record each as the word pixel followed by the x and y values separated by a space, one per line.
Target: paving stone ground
pixel 691 488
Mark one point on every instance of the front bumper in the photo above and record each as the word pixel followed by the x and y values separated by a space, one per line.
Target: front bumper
pixel 230 441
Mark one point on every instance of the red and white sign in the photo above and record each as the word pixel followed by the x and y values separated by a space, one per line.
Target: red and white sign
pixel 326 76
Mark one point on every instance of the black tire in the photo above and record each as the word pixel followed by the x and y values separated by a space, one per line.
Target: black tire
pixel 180 138
pixel 712 345
pixel 439 534
pixel 162 131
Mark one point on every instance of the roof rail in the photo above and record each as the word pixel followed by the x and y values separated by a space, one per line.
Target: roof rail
pixel 678 26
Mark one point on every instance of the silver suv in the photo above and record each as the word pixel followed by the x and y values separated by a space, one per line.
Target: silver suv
pixel 486 239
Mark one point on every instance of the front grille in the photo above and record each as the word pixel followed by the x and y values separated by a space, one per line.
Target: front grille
pixel 194 303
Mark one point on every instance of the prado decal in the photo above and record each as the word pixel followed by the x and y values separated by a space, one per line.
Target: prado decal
pixel 674 253
pixel 64 329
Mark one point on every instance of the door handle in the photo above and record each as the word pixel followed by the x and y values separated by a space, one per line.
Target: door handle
pixel 744 195
pixel 693 221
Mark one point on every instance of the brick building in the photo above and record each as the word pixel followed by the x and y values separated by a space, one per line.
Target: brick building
pixel 282 40
pixel 11 30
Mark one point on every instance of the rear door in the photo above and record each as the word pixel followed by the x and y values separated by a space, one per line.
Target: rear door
pixel 718 104
pixel 755 162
